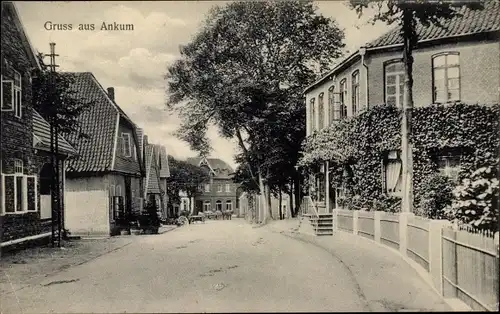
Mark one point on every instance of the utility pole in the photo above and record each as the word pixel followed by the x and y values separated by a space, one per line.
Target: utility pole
pixel 54 150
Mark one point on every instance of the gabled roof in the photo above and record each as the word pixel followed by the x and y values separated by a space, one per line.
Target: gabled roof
pixel 152 174
pixel 218 166
pixel 163 161
pixel 99 123
pixel 10 8
pixel 41 133
pixel 468 22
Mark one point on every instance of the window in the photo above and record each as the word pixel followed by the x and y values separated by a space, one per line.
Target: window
pixel 219 188
pixel 332 106
pixel 313 115
pixel 392 174
pixel 343 99
pixel 19 194
pixel 446 77
pixel 7 95
pixel 118 191
pixel 207 187
pixel 218 205
pixel 229 205
pixel 118 207
pixel 206 206
pixel 127 149
pixel 449 165
pixel 17 94
pixel 394 83
pixel 355 92
pixel 228 187
pixel 321 111
pixel 200 188
pixel 18 166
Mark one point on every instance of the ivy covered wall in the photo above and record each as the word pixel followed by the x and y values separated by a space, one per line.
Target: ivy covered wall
pixel 356 147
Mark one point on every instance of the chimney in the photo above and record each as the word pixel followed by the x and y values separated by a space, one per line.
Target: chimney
pixel 111 93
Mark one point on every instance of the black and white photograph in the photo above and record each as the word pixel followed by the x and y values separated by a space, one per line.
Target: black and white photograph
pixel 250 156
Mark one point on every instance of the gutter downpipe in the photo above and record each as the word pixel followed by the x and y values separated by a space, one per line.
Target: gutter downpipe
pixel 362 53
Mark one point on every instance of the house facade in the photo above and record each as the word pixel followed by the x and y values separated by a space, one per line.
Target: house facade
pixel 219 193
pixel 26 170
pixel 157 172
pixel 459 63
pixel 105 183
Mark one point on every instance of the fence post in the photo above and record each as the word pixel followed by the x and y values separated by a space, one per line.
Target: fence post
pixel 403 232
pixel 355 220
pixel 377 227
pixel 436 253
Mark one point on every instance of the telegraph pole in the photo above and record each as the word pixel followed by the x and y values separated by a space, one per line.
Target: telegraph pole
pixel 54 150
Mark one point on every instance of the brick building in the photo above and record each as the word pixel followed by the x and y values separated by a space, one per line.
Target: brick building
pixel 25 212
pixel 220 193
pixel 457 63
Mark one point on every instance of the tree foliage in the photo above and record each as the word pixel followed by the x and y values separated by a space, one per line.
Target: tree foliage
pixel 184 177
pixel 244 72
pixel 55 98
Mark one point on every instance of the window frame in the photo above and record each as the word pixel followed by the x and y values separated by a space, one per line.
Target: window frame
pixel 355 94
pixel 446 79
pixel 229 202
pixel 24 183
pixel 18 95
pixel 397 83
pixel 12 105
pixel 207 206
pixel 218 202
pixel 220 189
pixel 321 110
pixel 228 188
pixel 207 187
pixel 344 94
pixel 124 152
pixel 332 106
pixel 313 113
pixel 18 164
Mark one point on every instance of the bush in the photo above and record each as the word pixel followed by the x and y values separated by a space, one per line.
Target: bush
pixel 436 195
pixel 475 200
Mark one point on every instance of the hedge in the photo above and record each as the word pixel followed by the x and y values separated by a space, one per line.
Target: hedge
pixel 359 143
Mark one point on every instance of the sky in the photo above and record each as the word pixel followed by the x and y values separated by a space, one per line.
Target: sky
pixel 135 62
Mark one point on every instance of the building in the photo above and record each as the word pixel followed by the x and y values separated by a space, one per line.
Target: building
pixel 157 173
pixel 220 193
pixel 106 182
pixel 26 171
pixel 459 62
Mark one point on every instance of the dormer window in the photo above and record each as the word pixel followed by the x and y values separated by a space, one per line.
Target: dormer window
pixel 126 145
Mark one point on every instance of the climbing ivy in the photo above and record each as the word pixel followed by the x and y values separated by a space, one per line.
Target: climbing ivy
pixel 356 146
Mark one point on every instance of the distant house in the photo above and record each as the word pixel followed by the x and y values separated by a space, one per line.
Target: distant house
pixel 157 171
pixel 220 193
pixel 26 172
pixel 105 182
pixel 457 63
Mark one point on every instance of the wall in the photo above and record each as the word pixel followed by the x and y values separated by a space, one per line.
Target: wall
pixel 89 216
pixel 223 196
pixel 479 70
pixel 461 265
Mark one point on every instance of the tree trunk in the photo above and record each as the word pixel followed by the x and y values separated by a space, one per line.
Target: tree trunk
pixel 297 189
pixel 406 125
pixel 269 205
pixel 280 208
pixel 263 203
pixel 290 196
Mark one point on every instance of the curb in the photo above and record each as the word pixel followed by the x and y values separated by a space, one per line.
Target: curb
pixel 174 228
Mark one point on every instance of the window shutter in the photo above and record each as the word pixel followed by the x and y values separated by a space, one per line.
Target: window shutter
pixel 7 95
pixel 9 192
pixel 32 192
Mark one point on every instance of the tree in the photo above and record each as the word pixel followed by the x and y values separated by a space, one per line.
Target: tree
pixel 244 71
pixel 184 177
pixel 56 100
pixel 408 14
